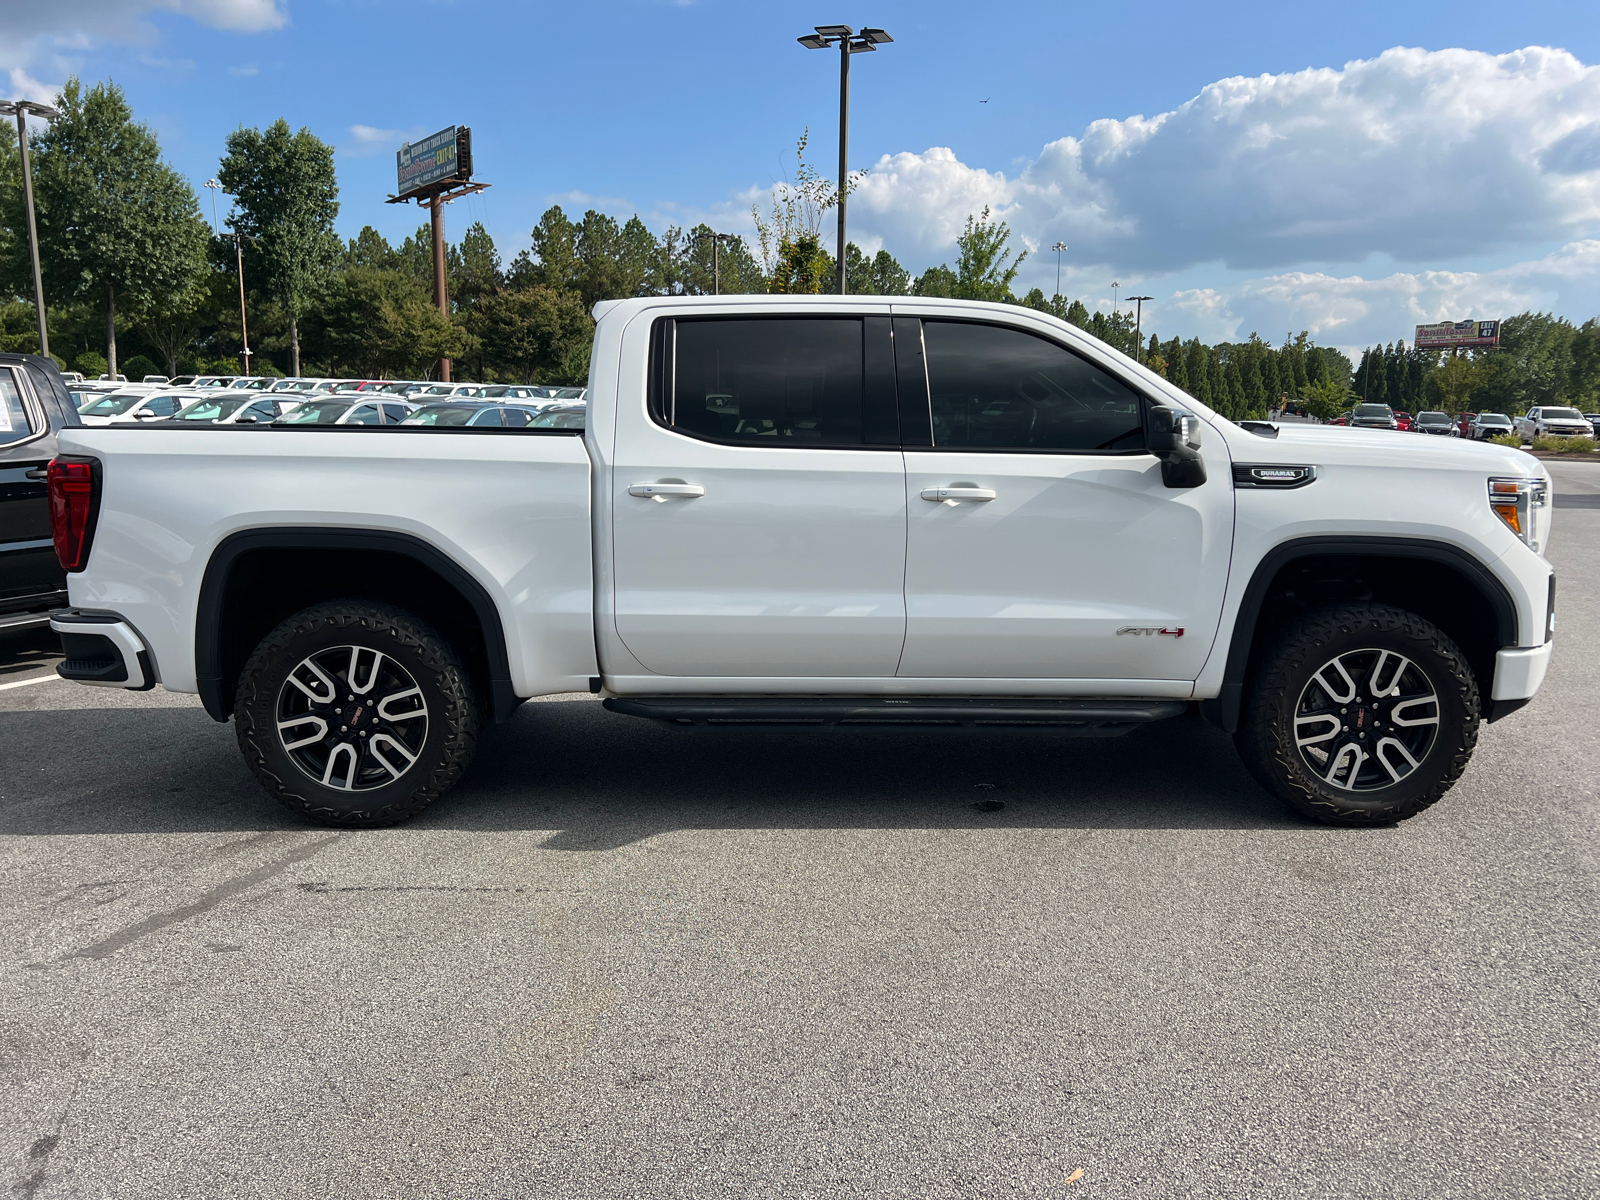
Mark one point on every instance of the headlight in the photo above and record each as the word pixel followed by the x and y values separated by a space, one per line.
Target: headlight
pixel 1524 506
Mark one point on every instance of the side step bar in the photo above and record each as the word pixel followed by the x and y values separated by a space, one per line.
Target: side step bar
pixel 1070 718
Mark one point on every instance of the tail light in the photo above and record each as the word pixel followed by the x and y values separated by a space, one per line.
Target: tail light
pixel 74 489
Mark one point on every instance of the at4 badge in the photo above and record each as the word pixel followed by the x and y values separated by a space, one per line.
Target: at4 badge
pixel 1150 630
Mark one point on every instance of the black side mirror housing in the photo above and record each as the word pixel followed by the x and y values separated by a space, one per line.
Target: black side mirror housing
pixel 1175 440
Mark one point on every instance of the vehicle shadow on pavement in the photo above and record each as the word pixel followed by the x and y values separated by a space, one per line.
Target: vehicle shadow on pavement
pixel 598 781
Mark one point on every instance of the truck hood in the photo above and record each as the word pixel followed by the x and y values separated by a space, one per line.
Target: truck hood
pixel 1348 446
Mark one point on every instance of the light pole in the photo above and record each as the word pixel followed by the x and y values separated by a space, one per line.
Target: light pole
pixel 716 240
pixel 238 249
pixel 849 42
pixel 1058 248
pixel 1114 286
pixel 20 109
pixel 214 187
pixel 1138 328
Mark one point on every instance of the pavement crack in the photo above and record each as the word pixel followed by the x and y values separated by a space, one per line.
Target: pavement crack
pixel 108 946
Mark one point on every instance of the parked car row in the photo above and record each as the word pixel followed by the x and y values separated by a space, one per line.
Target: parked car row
pixel 1561 422
pixel 259 400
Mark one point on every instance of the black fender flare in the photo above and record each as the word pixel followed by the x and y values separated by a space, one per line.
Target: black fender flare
pixel 208 616
pixel 1223 711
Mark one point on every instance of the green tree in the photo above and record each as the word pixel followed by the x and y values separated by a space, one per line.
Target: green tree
pixel 119 226
pixel 369 248
pixel 286 194
pixel 380 324
pixel 537 334
pixel 937 281
pixel 1325 399
pixel 1533 364
pixel 1449 386
pixel 985 269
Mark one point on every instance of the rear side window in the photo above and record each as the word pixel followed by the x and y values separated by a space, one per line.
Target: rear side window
pixel 773 381
pixel 14 422
pixel 994 388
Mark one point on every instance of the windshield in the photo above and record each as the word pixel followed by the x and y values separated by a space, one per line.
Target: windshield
pixel 395 389
pixel 112 405
pixel 1562 414
pixel 1373 410
pixel 254 385
pixel 212 410
pixel 561 419
pixel 349 385
pixel 315 412
pixel 439 389
pixel 441 414
pixel 566 393
pixel 1493 419
pixel 1432 419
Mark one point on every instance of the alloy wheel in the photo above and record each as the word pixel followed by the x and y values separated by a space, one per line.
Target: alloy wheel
pixel 352 718
pixel 1366 719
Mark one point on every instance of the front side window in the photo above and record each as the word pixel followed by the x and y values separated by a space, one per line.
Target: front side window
pixel 14 423
pixel 113 405
pixel 785 381
pixel 315 412
pixel 209 410
pixel 366 414
pixel 993 388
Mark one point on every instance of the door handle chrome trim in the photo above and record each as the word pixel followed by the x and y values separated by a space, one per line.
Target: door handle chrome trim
pixel 958 493
pixel 660 491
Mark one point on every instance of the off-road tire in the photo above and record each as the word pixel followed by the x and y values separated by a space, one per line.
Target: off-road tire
pixel 431 661
pixel 1266 736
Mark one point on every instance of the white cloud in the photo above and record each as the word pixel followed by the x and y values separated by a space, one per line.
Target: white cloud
pixel 367 140
pixel 1352 311
pixel 1420 155
pixel 244 70
pixel 38 38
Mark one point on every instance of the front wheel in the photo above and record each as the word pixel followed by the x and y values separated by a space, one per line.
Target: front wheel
pixel 1360 714
pixel 355 714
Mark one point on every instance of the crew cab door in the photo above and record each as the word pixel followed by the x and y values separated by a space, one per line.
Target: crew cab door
pixel 758 500
pixel 1041 540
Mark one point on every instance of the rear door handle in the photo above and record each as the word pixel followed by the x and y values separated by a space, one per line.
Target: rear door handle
pixel 958 493
pixel 660 491
pixel 38 474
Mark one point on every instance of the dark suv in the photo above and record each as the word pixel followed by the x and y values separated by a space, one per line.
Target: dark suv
pixel 1373 416
pixel 34 404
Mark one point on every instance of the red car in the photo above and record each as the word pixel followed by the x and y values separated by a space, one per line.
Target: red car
pixel 1402 421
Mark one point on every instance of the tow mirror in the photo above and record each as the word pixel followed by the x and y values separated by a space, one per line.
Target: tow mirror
pixel 1175 440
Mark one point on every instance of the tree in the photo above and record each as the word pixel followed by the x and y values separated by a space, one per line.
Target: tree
pixel 1449 386
pixel 790 241
pixel 286 195
pixel 985 269
pixel 1533 364
pixel 173 320
pixel 1325 399
pixel 935 281
pixel 378 324
pixel 118 226
pixel 539 334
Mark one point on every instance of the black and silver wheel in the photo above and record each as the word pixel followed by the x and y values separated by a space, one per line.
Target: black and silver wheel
pixel 355 714
pixel 1360 715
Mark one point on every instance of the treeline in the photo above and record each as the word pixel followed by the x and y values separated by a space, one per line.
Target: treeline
pixel 1542 359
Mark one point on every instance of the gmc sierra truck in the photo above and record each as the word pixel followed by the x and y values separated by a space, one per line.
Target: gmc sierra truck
pixel 829 512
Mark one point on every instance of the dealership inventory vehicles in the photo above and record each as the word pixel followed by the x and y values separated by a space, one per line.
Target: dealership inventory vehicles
pixel 819 513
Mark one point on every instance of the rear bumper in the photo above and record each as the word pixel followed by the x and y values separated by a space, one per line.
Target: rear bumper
pixel 102 650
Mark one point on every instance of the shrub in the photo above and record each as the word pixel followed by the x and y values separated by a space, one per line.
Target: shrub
pixel 137 367
pixel 1564 445
pixel 91 363
pixel 1513 440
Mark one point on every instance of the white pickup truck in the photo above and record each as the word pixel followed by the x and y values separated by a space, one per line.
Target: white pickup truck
pixel 819 511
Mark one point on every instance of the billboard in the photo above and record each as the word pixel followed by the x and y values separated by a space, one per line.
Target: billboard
pixel 438 158
pixel 1451 335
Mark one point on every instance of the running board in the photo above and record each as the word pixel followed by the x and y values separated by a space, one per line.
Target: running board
pixel 1069 718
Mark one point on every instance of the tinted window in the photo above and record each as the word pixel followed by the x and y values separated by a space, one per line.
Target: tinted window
pixel 1001 389
pixel 768 382
pixel 366 414
pixel 441 414
pixel 163 406
pixel 14 424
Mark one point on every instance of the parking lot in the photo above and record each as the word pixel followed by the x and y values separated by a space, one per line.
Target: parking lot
pixel 625 961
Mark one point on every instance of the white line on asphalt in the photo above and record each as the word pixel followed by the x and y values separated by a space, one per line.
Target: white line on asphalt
pixel 6 687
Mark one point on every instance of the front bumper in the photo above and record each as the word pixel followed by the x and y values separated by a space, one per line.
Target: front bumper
pixel 102 650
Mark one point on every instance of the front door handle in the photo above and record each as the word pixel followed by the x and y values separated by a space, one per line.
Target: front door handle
pixel 660 491
pixel 958 493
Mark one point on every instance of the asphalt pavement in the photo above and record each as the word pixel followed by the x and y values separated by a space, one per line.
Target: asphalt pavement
pixel 622 961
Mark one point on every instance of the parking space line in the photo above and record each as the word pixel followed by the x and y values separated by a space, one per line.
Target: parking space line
pixel 6 687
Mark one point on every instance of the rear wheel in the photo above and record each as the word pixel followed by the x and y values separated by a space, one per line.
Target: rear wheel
pixel 355 714
pixel 1360 715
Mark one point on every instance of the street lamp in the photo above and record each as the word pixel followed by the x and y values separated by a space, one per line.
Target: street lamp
pixel 1114 286
pixel 849 42
pixel 1138 327
pixel 20 109
pixel 716 240
pixel 1058 248
pixel 214 187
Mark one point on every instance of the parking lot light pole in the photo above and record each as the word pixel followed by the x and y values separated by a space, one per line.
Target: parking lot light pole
pixel 214 187
pixel 849 42
pixel 716 240
pixel 1138 326
pixel 20 109
pixel 1058 248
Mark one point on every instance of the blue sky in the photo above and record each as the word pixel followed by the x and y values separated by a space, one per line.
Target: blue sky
pixel 684 111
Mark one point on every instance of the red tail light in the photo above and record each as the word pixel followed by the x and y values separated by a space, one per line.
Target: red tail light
pixel 74 503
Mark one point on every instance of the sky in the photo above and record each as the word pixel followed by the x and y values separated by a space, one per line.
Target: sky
pixel 1351 170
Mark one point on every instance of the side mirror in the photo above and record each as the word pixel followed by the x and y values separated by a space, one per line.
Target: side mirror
pixel 1175 440
pixel 144 414
pixel 247 419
